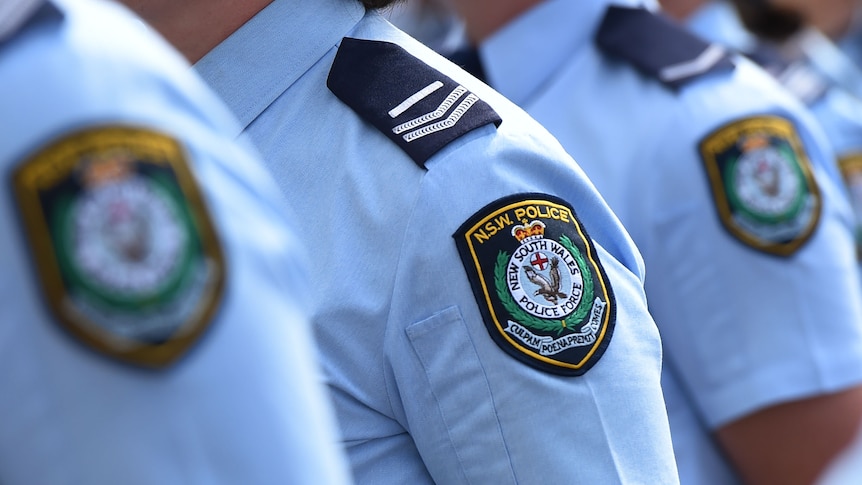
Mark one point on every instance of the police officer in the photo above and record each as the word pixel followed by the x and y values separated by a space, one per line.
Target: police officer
pixel 481 313
pixel 153 328
pixel 723 183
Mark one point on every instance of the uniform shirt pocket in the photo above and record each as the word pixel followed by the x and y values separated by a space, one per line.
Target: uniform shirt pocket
pixel 466 408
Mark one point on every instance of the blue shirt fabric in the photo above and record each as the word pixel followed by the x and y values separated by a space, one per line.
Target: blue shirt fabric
pixel 851 42
pixel 245 404
pixel 422 392
pixel 741 329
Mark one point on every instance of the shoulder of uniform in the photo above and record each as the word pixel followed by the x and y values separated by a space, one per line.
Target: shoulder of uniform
pixel 803 81
pixel 658 47
pixel 414 105
pixel 797 75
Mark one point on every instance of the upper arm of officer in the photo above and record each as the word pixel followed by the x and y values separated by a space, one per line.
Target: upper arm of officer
pixel 809 402
pixel 810 425
pixel 759 303
pixel 515 339
pixel 792 442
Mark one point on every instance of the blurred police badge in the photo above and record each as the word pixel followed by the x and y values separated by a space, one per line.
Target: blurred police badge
pixel 762 183
pixel 127 254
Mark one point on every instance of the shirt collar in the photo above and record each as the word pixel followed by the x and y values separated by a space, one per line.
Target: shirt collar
pixel 264 57
pixel 524 54
pixel 14 13
pixel 718 22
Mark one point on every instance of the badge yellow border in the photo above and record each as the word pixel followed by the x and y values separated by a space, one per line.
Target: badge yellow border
pixel 850 164
pixel 590 257
pixel 54 164
pixel 726 136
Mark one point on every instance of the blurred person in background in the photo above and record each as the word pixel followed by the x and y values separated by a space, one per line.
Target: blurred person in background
pixel 729 189
pixel 784 38
pixel 155 323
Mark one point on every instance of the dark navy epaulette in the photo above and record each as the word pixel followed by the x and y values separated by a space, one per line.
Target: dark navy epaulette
pixel 658 47
pixel 413 104
pixel 26 13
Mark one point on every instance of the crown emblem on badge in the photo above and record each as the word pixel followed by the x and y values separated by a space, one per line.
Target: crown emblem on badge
pixel 754 142
pixel 534 230
pixel 106 168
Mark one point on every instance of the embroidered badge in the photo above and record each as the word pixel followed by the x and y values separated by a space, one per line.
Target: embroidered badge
pixel 762 183
pixel 851 170
pixel 128 257
pixel 543 293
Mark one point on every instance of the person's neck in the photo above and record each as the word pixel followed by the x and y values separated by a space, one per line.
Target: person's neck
pixel 483 18
pixel 195 27
pixel 681 10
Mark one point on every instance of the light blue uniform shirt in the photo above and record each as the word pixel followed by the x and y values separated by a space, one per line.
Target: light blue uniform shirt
pixel 245 404
pixel 742 330
pixel 422 392
pixel 818 78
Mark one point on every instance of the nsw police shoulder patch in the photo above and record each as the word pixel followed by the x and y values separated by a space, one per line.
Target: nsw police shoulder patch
pixel 127 255
pixel 762 183
pixel 543 293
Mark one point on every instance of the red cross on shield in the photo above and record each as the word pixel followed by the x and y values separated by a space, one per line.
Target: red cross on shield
pixel 539 261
